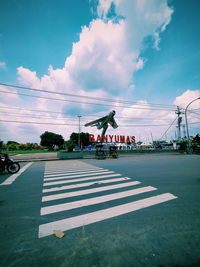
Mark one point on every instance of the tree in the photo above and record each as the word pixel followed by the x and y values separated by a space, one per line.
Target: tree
pixel 12 142
pixel 196 139
pixel 74 138
pixel 1 144
pixel 84 137
pixel 51 140
pixel 196 142
pixel 69 145
pixel 183 146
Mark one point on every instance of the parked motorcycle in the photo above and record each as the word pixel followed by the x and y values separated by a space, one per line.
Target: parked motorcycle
pixel 6 163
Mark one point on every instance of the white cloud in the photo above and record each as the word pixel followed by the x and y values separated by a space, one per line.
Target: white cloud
pixel 2 65
pixel 107 53
pixel 188 96
pixel 193 109
pixel 142 18
pixel 104 60
pixel 28 77
pixel 8 96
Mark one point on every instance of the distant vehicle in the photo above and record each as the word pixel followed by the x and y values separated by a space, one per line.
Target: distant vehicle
pixel 100 152
pixel 6 163
pixel 113 152
pixel 104 151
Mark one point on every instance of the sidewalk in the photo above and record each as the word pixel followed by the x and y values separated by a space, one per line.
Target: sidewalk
pixel 35 156
pixel 53 156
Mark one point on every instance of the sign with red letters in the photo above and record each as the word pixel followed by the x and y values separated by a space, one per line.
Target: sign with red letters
pixel 111 139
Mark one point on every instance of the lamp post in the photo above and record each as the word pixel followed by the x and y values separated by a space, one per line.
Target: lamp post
pixel 79 130
pixel 186 122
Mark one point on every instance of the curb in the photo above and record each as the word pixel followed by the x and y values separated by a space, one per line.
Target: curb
pixel 92 157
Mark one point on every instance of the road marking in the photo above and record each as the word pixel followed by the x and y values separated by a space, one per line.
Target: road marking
pixel 88 175
pixel 72 169
pixel 97 216
pixel 88 191
pixel 69 171
pixel 66 181
pixel 74 165
pixel 73 173
pixel 95 200
pixel 13 177
pixel 83 176
pixel 73 186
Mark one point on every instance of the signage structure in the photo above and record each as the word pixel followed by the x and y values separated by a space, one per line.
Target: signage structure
pixel 111 139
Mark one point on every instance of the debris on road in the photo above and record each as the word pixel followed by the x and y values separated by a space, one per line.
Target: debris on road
pixel 58 233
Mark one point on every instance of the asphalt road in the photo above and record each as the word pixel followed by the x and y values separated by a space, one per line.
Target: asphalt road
pixel 137 211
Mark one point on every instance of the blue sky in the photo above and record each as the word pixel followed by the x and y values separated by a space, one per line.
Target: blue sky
pixel 36 34
pixel 145 51
pixel 175 67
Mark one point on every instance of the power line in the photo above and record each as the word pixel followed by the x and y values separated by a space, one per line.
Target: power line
pixel 168 128
pixel 193 115
pixel 64 124
pixel 35 110
pixel 83 115
pixel 31 122
pixel 35 116
pixel 194 109
pixel 86 97
pixel 64 117
pixel 194 112
pixel 88 103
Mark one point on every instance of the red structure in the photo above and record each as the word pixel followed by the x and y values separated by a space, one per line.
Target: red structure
pixel 111 139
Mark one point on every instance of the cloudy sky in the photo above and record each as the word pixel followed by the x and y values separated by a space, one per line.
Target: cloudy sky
pixel 138 57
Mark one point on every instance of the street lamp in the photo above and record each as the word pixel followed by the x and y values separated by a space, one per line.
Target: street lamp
pixel 188 138
pixel 79 130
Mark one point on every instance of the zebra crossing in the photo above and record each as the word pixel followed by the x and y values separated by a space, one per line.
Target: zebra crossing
pixel 75 185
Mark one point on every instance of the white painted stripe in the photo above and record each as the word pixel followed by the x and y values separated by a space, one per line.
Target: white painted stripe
pixel 66 170
pixel 88 191
pixel 84 184
pixel 66 181
pixel 69 166
pixel 72 169
pixel 97 216
pixel 75 176
pixel 95 200
pixel 13 177
pixel 65 173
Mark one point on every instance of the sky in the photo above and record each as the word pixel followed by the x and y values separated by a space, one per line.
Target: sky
pixel 141 56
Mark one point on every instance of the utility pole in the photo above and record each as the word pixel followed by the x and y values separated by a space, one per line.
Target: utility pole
pixel 175 135
pixel 152 138
pixel 186 123
pixel 178 112
pixel 79 131
pixel 184 131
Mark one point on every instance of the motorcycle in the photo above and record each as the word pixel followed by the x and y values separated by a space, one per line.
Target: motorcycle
pixel 6 163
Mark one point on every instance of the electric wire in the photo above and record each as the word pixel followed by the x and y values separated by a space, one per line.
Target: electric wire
pixel 82 115
pixel 132 125
pixel 168 128
pixel 80 102
pixel 193 116
pixel 35 116
pixel 195 112
pixel 83 96
pixel 74 117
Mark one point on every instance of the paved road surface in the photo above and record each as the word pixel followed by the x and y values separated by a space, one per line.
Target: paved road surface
pixel 138 211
